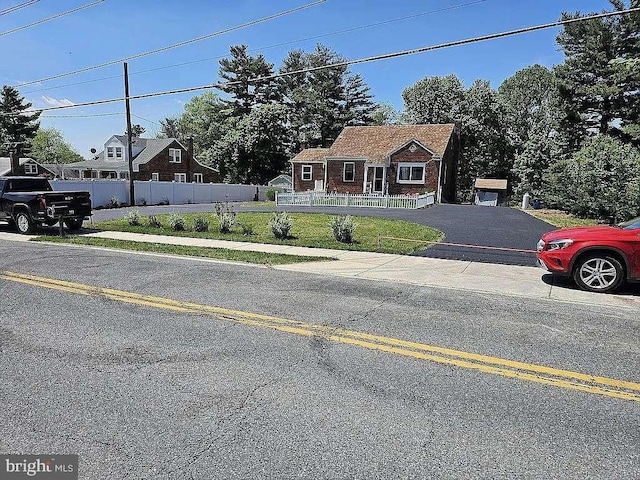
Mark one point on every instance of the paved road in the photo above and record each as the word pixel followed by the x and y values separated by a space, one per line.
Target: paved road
pixel 149 388
pixel 462 224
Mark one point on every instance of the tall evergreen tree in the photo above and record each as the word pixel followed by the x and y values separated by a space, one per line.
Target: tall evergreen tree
pixel 18 126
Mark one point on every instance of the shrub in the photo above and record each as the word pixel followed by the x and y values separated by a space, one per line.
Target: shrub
pixel 154 222
pixel 133 218
pixel 176 222
pixel 114 203
pixel 280 225
pixel 271 194
pixel 247 230
pixel 200 224
pixel 226 217
pixel 343 227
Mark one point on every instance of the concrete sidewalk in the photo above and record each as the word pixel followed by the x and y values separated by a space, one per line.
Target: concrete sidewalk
pixel 462 275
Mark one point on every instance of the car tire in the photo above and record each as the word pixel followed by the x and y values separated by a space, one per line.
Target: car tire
pixel 73 224
pixel 24 224
pixel 598 272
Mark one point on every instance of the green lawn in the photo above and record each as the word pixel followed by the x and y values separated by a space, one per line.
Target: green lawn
pixel 561 219
pixel 308 230
pixel 216 253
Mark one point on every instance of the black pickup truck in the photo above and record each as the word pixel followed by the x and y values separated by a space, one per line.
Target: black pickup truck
pixel 29 202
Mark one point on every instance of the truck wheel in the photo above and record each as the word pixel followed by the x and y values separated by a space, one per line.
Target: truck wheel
pixel 24 224
pixel 73 224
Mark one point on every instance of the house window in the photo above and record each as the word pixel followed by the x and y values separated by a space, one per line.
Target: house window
pixel 197 177
pixel 124 175
pixel 175 155
pixel 118 152
pixel 155 177
pixel 349 172
pixel 31 169
pixel 110 152
pixel 411 173
pixel 307 172
pixel 180 177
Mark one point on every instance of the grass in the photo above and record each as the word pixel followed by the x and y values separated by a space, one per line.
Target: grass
pixel 216 253
pixel 561 219
pixel 309 230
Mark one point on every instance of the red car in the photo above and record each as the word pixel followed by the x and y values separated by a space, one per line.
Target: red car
pixel 599 258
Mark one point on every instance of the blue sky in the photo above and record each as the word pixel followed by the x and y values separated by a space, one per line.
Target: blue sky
pixel 115 29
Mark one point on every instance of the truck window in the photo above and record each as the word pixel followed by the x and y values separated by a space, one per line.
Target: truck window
pixel 28 185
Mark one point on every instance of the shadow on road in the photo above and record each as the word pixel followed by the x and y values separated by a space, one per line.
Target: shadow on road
pixel 632 289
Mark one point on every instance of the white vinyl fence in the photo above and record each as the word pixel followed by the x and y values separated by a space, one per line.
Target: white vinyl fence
pixel 319 199
pixel 154 193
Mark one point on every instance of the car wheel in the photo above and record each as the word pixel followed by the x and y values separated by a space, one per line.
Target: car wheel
pixel 598 273
pixel 73 224
pixel 24 224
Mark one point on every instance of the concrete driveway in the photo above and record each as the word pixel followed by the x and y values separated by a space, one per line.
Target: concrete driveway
pixel 462 224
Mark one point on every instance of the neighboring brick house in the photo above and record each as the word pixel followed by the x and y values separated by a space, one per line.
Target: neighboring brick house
pixel 390 159
pixel 157 159
pixel 28 167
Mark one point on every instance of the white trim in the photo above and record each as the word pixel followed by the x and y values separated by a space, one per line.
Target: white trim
pixel 411 165
pixel 344 172
pixel 198 177
pixel 175 155
pixel 113 152
pixel 119 150
pixel 413 140
pixel 303 173
pixel 155 177
pixel 180 177
pixel 30 169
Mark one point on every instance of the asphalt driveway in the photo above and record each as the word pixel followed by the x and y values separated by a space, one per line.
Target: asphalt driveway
pixel 500 227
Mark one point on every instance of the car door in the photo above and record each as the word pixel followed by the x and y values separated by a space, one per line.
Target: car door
pixel 3 215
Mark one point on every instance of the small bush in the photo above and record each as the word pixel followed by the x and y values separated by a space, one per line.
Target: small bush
pixel 142 201
pixel 165 201
pixel 114 203
pixel 271 194
pixel 133 218
pixel 177 223
pixel 247 230
pixel 154 222
pixel 200 224
pixel 226 217
pixel 343 227
pixel 281 224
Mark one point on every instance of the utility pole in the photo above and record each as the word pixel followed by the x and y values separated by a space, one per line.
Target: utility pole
pixel 132 198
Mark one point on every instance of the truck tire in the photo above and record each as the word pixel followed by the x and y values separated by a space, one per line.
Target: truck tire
pixel 73 224
pixel 24 224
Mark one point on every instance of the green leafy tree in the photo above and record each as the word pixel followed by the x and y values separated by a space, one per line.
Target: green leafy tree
pixel 599 94
pixel 49 146
pixel 17 124
pixel 601 180
pixel 386 114
pixel 256 149
pixel 136 130
pixel 242 73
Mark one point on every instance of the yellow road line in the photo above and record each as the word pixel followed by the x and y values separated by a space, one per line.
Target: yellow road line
pixel 483 363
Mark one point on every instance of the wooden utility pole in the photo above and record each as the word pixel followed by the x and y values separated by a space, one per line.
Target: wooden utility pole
pixel 132 198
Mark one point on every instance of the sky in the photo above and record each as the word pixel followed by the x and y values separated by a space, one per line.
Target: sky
pixel 114 29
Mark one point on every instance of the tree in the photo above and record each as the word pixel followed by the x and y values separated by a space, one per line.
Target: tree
pixel 255 150
pixel 242 73
pixel 136 130
pixel 17 125
pixel 598 93
pixel 322 102
pixel 49 146
pixel 386 114
pixel 434 100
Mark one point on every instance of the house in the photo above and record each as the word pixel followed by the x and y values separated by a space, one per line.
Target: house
pixel 28 166
pixel 281 182
pixel 490 191
pixel 156 159
pixel 390 159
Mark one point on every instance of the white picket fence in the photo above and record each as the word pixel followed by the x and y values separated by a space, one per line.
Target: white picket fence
pixel 154 193
pixel 320 199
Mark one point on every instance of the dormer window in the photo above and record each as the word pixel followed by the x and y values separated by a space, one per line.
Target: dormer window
pixel 110 152
pixel 119 152
pixel 175 155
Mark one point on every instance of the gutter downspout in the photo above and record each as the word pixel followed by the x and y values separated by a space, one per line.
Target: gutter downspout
pixel 439 192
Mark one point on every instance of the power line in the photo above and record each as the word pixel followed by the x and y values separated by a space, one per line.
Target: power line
pixel 48 19
pixel 83 116
pixel 15 8
pixel 315 37
pixel 346 63
pixel 175 45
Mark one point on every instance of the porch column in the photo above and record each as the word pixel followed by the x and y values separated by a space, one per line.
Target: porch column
pixel 385 190
pixel 364 185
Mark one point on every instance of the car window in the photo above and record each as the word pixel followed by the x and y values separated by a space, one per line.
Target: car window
pixel 632 224
pixel 28 185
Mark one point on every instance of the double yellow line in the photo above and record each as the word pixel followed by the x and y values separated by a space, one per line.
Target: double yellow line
pixel 493 365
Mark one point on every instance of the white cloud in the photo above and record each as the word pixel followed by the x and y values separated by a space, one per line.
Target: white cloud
pixel 57 103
